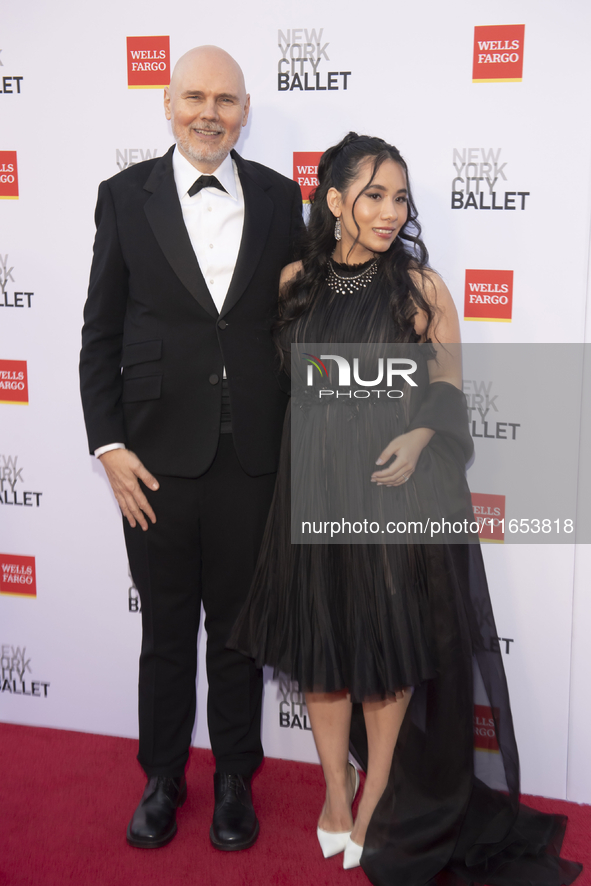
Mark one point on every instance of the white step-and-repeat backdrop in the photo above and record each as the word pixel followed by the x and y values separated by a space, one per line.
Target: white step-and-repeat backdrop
pixel 487 102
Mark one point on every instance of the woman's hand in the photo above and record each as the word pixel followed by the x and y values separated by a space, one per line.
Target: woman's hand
pixel 407 449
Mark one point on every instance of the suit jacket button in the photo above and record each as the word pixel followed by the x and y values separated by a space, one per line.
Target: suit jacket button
pixel 214 379
pixel 222 324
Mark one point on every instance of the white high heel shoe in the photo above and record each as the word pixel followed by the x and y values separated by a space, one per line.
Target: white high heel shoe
pixel 352 857
pixel 332 843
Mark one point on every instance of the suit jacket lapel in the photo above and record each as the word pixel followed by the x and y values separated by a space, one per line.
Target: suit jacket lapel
pixel 258 212
pixel 165 217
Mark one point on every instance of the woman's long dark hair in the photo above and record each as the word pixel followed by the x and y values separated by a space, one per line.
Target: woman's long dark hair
pixel 338 168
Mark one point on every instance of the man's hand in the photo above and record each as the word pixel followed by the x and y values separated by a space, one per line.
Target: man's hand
pixel 123 469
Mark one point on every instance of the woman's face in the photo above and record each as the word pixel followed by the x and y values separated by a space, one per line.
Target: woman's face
pixel 380 211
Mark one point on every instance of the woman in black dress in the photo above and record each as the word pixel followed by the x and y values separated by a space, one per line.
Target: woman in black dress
pixel 391 642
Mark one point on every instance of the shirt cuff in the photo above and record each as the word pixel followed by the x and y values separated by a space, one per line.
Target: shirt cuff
pixel 102 449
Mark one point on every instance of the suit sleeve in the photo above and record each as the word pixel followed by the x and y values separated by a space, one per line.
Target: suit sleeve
pixel 298 227
pixel 102 333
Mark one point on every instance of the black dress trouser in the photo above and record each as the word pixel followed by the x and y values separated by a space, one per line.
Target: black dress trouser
pixel 202 549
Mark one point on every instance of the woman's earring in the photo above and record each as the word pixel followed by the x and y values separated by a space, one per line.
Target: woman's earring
pixel 337 229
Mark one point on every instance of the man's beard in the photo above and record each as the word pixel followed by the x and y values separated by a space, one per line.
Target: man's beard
pixel 205 154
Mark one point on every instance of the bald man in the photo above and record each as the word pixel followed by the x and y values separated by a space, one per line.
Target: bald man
pixel 184 404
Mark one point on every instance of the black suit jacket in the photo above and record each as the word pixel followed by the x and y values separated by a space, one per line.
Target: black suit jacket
pixel 153 343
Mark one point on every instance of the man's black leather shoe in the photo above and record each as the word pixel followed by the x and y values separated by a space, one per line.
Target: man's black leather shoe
pixel 153 823
pixel 235 824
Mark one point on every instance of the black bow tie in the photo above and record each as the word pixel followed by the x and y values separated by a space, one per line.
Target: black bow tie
pixel 206 181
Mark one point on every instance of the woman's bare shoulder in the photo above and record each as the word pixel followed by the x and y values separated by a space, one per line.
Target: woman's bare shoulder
pixel 444 324
pixel 432 288
pixel 289 272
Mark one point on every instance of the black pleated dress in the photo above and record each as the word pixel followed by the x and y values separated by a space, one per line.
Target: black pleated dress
pixel 375 619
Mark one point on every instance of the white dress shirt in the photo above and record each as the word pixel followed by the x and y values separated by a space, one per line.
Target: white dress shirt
pixel 214 222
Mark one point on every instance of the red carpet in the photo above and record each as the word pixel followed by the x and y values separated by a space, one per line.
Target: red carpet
pixel 66 798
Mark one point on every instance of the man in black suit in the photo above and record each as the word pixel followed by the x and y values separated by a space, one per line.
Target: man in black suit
pixel 184 405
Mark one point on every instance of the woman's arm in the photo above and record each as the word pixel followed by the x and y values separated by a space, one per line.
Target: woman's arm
pixel 444 333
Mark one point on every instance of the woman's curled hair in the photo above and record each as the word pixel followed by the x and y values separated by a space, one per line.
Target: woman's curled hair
pixel 339 166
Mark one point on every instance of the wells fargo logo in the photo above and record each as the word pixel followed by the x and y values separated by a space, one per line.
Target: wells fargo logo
pixel 148 62
pixel 488 295
pixel 489 513
pixel 8 176
pixel 485 731
pixel 14 387
pixel 17 575
pixel 498 54
pixel 305 171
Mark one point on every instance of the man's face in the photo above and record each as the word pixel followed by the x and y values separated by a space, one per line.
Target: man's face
pixel 207 106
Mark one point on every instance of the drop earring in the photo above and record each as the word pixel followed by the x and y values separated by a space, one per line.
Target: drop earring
pixel 337 229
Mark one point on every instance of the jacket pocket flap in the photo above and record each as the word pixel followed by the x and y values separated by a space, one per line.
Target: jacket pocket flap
pixel 141 352
pixel 147 387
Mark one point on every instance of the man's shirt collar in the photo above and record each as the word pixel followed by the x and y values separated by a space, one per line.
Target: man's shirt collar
pixel 185 174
